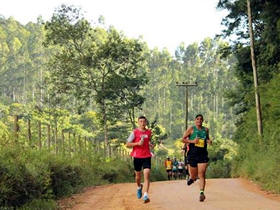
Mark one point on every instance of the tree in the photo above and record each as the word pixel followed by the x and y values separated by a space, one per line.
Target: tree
pixel 95 64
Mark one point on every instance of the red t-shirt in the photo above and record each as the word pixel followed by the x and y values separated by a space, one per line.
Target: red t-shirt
pixel 142 151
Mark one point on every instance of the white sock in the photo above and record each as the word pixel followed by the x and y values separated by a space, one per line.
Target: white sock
pixel 146 194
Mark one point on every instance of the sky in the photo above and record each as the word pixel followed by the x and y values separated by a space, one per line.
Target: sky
pixel 161 23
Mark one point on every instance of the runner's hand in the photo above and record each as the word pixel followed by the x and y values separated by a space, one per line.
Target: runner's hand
pixel 196 140
pixel 209 141
pixel 141 142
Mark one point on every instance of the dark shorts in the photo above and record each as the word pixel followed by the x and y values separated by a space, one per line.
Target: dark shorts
pixel 180 170
pixel 168 170
pixel 195 158
pixel 140 163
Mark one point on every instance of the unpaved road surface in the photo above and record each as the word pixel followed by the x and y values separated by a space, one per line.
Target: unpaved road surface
pixel 229 194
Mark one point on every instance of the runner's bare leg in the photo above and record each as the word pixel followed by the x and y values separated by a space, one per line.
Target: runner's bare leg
pixel 201 174
pixel 193 172
pixel 138 178
pixel 146 180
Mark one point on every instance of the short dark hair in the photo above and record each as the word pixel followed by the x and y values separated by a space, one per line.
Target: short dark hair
pixel 142 117
pixel 199 115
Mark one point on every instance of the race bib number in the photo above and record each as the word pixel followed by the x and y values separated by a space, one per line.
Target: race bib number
pixel 200 143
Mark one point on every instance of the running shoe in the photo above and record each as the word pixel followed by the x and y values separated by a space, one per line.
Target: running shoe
pixel 201 197
pixel 139 192
pixel 190 181
pixel 146 199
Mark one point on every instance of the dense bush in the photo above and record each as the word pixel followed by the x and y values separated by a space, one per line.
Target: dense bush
pixel 219 169
pixel 258 158
pixel 221 154
pixel 23 177
pixel 32 178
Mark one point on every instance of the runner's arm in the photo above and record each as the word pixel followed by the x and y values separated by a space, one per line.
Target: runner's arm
pixel 186 136
pixel 151 145
pixel 130 142
pixel 209 141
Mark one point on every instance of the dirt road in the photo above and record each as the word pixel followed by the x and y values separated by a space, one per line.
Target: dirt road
pixel 229 194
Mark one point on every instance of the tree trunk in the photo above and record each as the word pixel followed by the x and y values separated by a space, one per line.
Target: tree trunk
pixel 85 143
pixel 257 97
pixel 29 131
pixel 170 119
pixel 69 142
pixel 110 150
pixel 49 137
pixel 40 134
pixel 14 95
pixel 74 142
pixel 16 128
pixel 105 128
pixel 79 142
pixel 55 138
pixel 62 142
pixel 132 117
pixel 24 85
pixel 217 104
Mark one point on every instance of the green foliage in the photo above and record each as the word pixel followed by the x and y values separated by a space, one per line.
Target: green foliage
pixel 158 173
pixel 265 22
pixel 257 156
pixel 65 177
pixel 22 61
pixel 253 160
pixel 39 204
pixel 36 177
pixel 94 64
pixel 23 177
pixel 199 62
pixel 219 169
pixel 159 134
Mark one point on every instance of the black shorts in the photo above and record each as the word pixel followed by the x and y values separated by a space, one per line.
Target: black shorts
pixel 140 163
pixel 195 158
pixel 180 171
pixel 168 170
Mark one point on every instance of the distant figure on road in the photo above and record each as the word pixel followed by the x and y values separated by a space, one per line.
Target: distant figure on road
pixel 175 168
pixel 140 141
pixel 198 137
pixel 180 169
pixel 168 167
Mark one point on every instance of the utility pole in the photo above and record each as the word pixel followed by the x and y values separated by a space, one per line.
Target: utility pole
pixel 257 96
pixel 183 84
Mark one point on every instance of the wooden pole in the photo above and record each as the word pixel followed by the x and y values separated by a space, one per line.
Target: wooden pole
pixel 187 95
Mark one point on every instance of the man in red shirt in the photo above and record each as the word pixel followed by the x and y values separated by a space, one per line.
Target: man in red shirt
pixel 140 141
